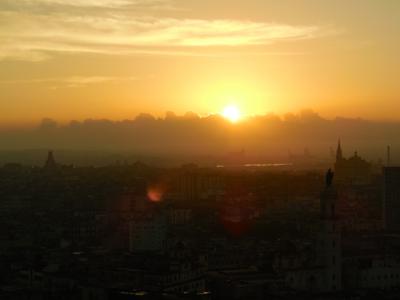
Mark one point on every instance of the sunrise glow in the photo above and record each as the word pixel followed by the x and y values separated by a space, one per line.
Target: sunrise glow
pixel 232 113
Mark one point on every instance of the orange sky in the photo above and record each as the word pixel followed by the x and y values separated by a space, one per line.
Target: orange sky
pixel 116 58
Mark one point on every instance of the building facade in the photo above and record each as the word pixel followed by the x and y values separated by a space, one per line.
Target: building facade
pixel 391 198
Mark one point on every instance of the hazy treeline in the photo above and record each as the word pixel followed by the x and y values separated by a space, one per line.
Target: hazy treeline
pixel 269 135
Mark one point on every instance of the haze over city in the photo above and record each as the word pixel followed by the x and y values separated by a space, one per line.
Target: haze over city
pixel 270 137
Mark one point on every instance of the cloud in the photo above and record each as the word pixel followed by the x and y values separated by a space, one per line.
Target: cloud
pixel 89 3
pixel 72 81
pixel 83 3
pixel 268 135
pixel 35 32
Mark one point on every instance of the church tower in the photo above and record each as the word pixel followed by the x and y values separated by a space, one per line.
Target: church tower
pixel 330 250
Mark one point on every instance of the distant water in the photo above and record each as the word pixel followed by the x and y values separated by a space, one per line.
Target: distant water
pixel 256 165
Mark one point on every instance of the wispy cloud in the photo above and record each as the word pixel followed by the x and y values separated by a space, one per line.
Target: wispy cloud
pixel 89 3
pixel 72 81
pixel 81 3
pixel 32 34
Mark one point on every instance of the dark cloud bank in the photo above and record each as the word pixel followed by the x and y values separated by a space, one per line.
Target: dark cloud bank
pixel 269 136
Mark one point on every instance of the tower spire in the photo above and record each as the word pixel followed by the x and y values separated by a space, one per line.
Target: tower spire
pixel 339 153
pixel 50 162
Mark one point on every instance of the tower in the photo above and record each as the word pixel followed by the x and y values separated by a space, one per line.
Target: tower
pixel 50 164
pixel 330 238
pixel 339 153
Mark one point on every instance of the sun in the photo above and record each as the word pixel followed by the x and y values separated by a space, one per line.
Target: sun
pixel 232 113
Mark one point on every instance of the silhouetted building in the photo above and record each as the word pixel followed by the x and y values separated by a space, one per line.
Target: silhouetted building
pixel 391 198
pixel 188 183
pixel 148 233
pixel 323 272
pixel 194 184
pixel 50 164
pixel 330 249
pixel 353 170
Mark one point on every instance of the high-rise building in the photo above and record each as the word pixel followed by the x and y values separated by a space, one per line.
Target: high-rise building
pixel 391 198
pixel 194 183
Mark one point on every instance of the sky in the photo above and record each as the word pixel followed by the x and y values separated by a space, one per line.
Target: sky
pixel 114 59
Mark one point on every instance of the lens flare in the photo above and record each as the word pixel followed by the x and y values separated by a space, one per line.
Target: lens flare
pixel 155 193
